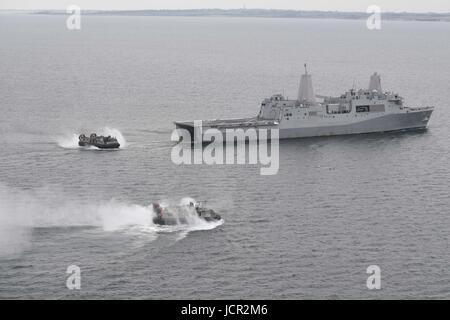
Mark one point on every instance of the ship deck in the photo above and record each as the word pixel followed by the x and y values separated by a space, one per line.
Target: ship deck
pixel 229 123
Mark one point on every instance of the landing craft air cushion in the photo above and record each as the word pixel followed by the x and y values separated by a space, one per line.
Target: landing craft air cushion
pixel 100 142
pixel 166 217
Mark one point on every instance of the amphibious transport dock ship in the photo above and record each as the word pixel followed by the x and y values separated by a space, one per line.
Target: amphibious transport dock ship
pixel 355 111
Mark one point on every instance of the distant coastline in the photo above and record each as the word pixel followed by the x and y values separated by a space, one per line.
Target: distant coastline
pixel 260 13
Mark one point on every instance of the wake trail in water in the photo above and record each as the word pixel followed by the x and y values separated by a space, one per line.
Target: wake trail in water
pixel 70 141
pixel 23 211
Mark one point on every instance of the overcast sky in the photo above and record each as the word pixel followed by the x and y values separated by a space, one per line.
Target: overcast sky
pixel 341 5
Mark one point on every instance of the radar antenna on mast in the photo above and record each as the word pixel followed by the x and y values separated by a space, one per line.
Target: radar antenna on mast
pixel 306 70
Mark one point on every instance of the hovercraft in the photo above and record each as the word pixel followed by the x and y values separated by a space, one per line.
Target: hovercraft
pixel 166 217
pixel 100 142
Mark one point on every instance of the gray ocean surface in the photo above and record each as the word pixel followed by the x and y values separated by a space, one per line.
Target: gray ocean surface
pixel 336 206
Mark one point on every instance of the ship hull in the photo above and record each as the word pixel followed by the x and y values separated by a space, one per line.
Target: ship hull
pixel 414 120
pixel 113 145
pixel 387 123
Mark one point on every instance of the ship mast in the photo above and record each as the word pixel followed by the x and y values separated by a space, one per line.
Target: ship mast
pixel 375 83
pixel 306 91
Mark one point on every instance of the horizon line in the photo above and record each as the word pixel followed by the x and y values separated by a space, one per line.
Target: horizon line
pixel 233 9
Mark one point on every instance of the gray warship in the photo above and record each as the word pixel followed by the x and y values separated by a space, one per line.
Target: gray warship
pixel 354 112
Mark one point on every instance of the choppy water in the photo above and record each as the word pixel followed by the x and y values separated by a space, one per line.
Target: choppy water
pixel 336 206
